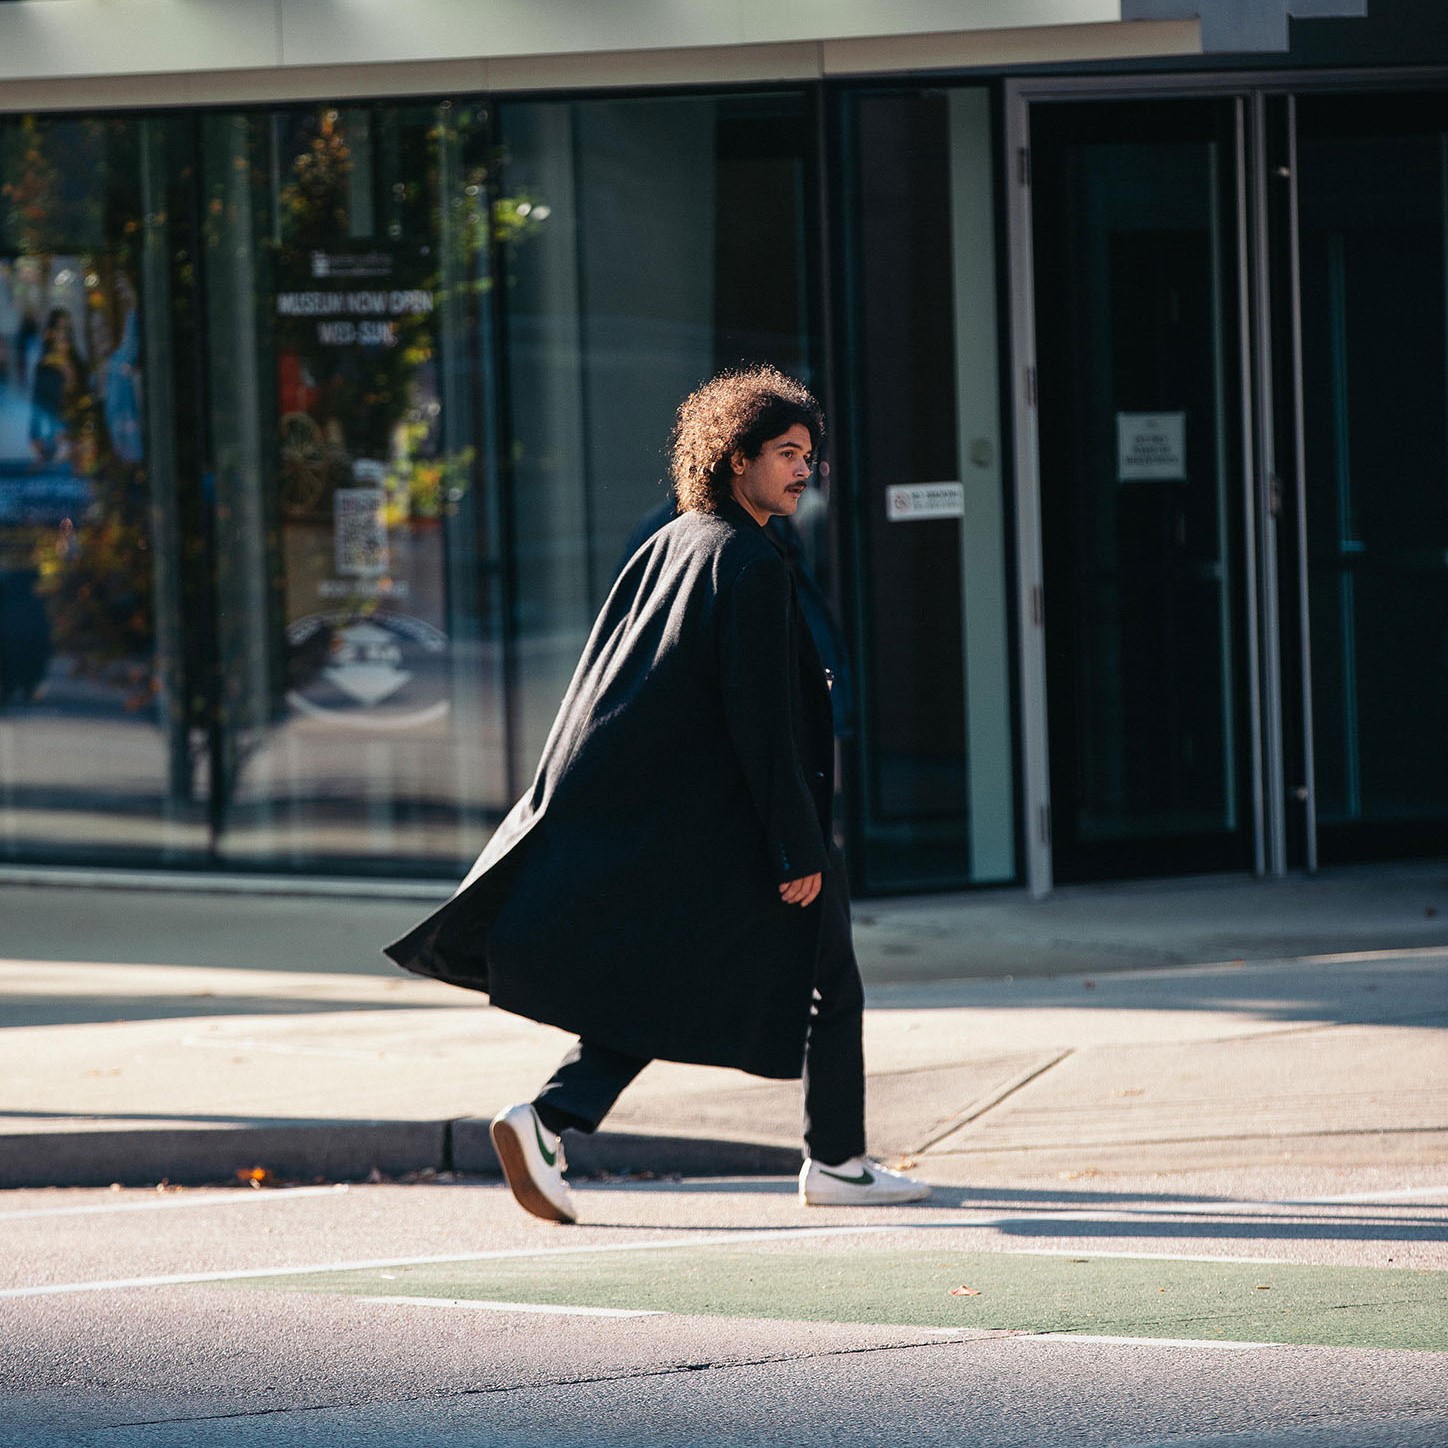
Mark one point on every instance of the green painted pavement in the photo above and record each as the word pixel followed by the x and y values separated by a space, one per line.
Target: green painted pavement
pixel 1115 1297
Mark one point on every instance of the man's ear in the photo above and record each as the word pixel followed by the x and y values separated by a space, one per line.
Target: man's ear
pixel 737 460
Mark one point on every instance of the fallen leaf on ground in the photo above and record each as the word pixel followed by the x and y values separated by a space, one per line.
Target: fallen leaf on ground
pixel 965 1291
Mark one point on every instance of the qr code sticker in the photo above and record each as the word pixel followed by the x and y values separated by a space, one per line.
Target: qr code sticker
pixel 360 532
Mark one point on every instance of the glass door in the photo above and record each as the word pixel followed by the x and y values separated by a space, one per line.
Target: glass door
pixel 1372 235
pixel 1138 274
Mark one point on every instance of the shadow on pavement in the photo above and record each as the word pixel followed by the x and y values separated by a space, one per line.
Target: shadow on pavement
pixel 79 1010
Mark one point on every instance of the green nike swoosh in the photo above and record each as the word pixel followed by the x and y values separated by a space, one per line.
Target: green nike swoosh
pixel 865 1179
pixel 548 1156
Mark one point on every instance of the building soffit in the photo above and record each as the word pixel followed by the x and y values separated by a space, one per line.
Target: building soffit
pixel 74 54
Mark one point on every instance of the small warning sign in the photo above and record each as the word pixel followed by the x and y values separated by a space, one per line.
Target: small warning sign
pixel 1151 447
pixel 915 502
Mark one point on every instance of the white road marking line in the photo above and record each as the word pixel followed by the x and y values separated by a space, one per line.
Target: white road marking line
pixel 543 1309
pixel 478 1305
pixel 1399 1194
pixel 1089 1254
pixel 1143 1341
pixel 1185 1206
pixel 211 1199
pixel 668 1244
pixel 505 1254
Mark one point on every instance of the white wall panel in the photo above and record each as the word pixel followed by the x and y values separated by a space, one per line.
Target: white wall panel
pixel 54 38
pixel 842 19
pixel 739 64
pixel 329 31
pixel 1043 44
pixel 323 32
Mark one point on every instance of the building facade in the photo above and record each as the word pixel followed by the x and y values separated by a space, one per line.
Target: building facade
pixel 339 343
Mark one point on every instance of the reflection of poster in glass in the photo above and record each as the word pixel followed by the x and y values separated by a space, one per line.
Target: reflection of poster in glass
pixel 359 532
pixel 75 579
pixel 355 372
pixel 359 413
pixel 63 375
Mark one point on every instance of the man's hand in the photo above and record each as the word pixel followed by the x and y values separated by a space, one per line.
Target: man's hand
pixel 801 891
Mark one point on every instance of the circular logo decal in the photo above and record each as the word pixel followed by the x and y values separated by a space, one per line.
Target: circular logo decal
pixel 384 671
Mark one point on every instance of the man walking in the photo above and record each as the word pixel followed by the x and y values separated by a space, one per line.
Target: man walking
pixel 667 888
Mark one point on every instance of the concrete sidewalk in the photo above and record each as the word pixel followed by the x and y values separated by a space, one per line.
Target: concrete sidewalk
pixel 1161 1026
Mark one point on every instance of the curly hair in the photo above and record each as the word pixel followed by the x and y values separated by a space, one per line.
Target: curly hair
pixel 737 411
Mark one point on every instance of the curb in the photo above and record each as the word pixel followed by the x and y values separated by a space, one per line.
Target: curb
pixel 623 1153
pixel 351 1151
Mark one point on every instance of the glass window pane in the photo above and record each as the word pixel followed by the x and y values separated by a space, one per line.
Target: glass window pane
pixel 100 753
pixel 648 243
pixel 347 287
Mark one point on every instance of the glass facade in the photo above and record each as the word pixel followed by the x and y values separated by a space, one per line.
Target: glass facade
pixel 325 428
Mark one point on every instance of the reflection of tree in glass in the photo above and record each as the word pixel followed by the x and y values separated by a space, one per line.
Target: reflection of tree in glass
pixel 33 195
pixel 97 580
pixel 64 179
pixel 314 201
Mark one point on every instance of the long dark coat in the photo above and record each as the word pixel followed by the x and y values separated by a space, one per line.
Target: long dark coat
pixel 631 896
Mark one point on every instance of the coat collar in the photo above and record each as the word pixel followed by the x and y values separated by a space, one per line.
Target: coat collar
pixel 735 513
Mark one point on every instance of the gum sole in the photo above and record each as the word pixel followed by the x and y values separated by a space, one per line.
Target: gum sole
pixel 520 1182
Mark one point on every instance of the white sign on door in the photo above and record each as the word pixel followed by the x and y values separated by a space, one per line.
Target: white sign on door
pixel 915 502
pixel 1151 447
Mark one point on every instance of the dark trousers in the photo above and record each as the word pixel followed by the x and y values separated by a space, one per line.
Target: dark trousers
pixel 591 1077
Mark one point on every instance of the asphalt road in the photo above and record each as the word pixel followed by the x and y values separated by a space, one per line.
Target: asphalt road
pixel 1250 1307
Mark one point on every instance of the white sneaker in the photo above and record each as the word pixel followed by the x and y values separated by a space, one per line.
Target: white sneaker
pixel 859 1182
pixel 533 1163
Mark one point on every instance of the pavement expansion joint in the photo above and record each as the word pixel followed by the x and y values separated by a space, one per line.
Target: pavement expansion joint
pixel 665 1370
pixel 995 1098
pixel 343 1406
